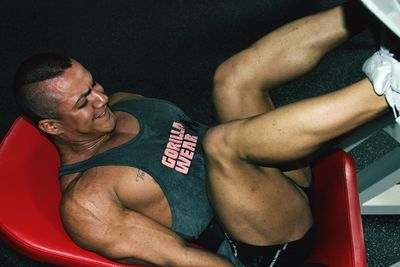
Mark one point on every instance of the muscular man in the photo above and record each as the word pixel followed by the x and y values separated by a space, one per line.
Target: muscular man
pixel 140 179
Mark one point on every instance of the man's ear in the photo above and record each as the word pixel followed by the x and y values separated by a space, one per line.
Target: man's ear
pixel 50 126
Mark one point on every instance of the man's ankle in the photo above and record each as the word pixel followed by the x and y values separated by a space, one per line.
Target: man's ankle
pixel 390 41
pixel 357 17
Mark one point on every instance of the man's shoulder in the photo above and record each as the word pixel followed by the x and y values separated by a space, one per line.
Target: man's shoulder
pixel 96 185
pixel 90 194
pixel 91 187
pixel 123 96
pixel 85 206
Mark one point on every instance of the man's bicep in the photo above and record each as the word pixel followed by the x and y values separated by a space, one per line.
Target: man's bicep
pixel 126 236
pixel 138 237
pixel 148 241
pixel 129 237
pixel 156 244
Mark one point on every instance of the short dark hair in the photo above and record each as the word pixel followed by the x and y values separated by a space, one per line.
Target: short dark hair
pixel 29 90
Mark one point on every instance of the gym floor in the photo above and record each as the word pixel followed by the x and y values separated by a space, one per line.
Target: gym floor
pixel 170 50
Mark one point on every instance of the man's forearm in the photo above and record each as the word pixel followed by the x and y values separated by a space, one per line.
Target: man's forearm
pixel 198 257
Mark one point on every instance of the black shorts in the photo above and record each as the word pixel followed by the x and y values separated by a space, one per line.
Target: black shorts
pixel 286 255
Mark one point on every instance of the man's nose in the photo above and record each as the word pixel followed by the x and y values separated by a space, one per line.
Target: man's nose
pixel 99 99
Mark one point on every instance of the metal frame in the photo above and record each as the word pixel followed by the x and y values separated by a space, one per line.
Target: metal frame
pixel 378 182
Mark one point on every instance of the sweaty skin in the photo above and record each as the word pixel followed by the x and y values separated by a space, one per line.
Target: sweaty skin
pixel 121 212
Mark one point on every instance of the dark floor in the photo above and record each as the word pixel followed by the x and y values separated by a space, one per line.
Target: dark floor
pixel 170 49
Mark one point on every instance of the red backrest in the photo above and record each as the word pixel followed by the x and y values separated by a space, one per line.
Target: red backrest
pixel 30 195
pixel 29 199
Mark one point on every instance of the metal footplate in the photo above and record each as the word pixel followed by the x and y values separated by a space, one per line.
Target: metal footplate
pixel 387 11
pixel 375 148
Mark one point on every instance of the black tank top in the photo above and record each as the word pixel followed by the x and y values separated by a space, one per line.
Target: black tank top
pixel 169 148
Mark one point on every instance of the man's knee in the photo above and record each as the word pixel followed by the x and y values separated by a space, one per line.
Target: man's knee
pixel 234 75
pixel 219 144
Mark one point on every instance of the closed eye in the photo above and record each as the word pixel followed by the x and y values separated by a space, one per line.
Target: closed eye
pixel 83 98
pixel 83 104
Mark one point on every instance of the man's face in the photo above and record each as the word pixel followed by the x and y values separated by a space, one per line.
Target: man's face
pixel 82 105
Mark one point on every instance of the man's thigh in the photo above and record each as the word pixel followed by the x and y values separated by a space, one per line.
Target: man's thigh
pixel 256 205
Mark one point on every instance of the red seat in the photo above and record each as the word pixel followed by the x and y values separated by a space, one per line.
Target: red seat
pixel 337 215
pixel 30 194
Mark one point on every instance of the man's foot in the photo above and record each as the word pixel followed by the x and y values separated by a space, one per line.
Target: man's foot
pixel 383 70
pixel 387 11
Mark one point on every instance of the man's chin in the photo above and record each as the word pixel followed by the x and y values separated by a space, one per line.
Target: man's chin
pixel 112 122
pixel 107 121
